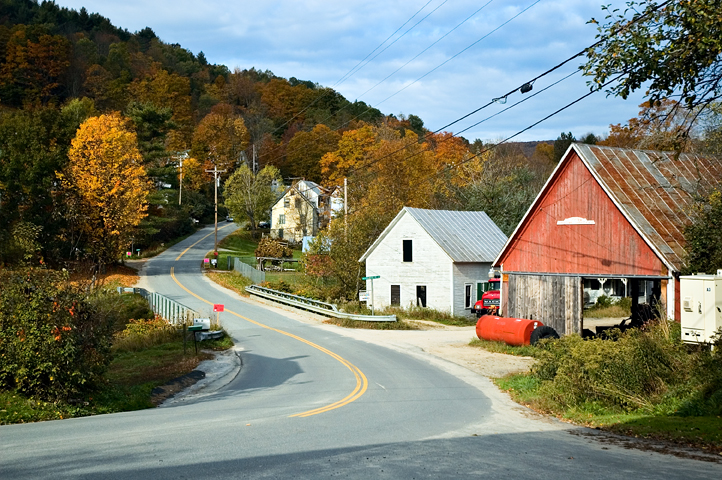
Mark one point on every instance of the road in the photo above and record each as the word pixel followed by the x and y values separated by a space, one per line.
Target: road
pixel 310 402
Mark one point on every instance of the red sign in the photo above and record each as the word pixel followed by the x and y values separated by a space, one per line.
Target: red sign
pixel 206 260
pixel 217 307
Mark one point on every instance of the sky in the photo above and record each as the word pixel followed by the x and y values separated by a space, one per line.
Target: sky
pixel 441 59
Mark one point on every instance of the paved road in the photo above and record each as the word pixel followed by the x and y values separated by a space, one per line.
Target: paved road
pixel 310 403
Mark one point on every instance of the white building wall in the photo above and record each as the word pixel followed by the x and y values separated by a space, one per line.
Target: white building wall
pixel 467 274
pixel 430 267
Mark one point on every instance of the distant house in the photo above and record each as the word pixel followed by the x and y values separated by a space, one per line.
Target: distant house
pixel 433 258
pixel 303 209
pixel 609 221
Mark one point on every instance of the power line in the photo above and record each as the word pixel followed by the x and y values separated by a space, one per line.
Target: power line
pixel 435 68
pixel 354 69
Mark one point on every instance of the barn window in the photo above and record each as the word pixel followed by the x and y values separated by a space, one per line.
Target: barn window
pixel 282 219
pixel 395 294
pixel 408 251
pixel 467 295
pixel 421 296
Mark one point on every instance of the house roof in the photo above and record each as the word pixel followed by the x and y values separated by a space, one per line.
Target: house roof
pixel 654 191
pixel 464 236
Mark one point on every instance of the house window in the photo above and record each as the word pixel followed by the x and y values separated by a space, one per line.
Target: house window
pixel 395 294
pixel 467 295
pixel 408 251
pixel 421 296
pixel 282 219
pixel 286 202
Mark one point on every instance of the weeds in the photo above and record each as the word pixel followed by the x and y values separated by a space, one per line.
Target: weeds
pixel 346 323
pixel 501 347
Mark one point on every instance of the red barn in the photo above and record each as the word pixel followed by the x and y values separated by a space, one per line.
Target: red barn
pixel 609 215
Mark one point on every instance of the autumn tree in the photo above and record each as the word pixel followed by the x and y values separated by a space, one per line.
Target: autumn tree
pixel 220 138
pixel 106 185
pixel 305 150
pixel 671 49
pixel 251 196
pixel 659 126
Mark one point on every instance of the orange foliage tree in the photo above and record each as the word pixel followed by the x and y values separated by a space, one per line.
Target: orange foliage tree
pixel 106 185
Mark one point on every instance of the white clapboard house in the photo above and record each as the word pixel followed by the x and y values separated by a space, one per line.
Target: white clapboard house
pixel 437 259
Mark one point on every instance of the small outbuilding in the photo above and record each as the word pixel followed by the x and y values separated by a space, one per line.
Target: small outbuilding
pixel 437 259
pixel 608 221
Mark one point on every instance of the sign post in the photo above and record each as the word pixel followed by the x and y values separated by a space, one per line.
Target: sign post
pixel 218 308
pixel 372 289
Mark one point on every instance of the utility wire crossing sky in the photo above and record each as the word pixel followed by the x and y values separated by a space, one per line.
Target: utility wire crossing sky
pixel 438 59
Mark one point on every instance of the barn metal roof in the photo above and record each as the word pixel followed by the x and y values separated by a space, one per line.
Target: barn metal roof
pixel 655 191
pixel 464 236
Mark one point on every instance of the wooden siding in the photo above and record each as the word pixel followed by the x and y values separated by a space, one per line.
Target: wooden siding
pixel 554 300
pixel 610 247
pixel 431 267
pixel 467 273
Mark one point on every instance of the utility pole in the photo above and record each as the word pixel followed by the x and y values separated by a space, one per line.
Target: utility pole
pixel 182 156
pixel 345 208
pixel 215 187
pixel 254 169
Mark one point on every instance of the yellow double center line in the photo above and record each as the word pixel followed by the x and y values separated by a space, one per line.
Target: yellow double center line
pixel 361 381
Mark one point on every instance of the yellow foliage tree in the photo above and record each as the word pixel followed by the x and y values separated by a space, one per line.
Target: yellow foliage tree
pixel 107 185
pixel 220 138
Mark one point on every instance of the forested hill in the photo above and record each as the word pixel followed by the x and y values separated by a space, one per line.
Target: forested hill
pixel 52 54
pixel 61 69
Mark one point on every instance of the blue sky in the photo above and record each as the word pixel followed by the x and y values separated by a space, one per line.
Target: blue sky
pixel 323 40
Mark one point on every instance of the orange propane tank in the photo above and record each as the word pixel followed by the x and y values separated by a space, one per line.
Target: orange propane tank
pixel 513 331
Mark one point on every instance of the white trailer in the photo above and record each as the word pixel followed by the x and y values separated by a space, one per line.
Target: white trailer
pixel 701 306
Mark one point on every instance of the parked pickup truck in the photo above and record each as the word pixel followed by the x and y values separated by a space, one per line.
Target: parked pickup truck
pixel 490 300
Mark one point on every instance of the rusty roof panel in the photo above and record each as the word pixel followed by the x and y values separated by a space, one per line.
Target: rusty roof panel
pixel 654 190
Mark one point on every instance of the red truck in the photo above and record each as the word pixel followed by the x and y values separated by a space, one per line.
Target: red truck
pixel 490 300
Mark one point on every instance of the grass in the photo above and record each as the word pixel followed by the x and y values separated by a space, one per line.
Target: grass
pixel 644 383
pixel 703 432
pixel 501 347
pixel 232 281
pixel 131 377
pixel 612 311
pixel 346 323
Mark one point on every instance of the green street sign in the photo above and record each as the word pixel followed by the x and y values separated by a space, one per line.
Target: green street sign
pixel 371 278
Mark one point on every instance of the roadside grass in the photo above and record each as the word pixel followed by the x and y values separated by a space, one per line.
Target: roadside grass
pixel 346 323
pixel 501 347
pixel 703 432
pixel 232 281
pixel 643 383
pixel 138 366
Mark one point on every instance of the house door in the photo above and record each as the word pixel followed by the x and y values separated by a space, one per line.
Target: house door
pixel 421 296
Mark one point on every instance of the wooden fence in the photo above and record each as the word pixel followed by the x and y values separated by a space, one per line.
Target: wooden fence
pixel 554 300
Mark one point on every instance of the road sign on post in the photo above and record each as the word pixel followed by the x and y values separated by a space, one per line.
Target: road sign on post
pixel 218 308
pixel 372 290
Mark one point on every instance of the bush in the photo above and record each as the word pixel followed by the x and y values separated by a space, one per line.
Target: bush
pixel 649 370
pixel 604 301
pixel 143 333
pixel 53 343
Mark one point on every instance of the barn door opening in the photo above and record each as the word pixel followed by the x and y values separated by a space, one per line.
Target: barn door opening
pixel 421 296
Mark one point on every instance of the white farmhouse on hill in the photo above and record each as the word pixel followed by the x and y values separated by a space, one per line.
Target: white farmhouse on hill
pixel 433 258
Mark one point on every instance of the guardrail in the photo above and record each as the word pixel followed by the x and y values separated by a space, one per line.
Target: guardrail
pixel 328 309
pixel 170 310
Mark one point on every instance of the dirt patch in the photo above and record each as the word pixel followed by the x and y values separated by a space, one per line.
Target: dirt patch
pixel 160 394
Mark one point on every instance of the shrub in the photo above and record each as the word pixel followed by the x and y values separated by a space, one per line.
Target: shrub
pixel 269 247
pixel 634 371
pixel 604 301
pixel 53 344
pixel 143 333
